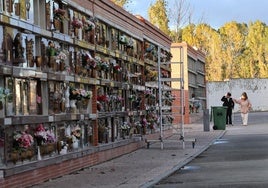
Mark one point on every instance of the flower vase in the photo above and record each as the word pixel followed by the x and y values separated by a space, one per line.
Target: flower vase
pixel 80 34
pixel 30 154
pixel 62 105
pixel 79 105
pixel 85 103
pixel 14 156
pixel 50 148
pixel 73 105
pixel 38 154
pixel 75 144
pixel 38 61
pixel 62 65
pixel 23 155
pixel 57 24
pixel 77 69
pixel 31 62
pixel 75 32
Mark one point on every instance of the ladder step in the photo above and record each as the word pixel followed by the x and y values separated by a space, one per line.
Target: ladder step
pixel 171 79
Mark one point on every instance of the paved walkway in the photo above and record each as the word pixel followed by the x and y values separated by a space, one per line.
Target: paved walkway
pixel 143 167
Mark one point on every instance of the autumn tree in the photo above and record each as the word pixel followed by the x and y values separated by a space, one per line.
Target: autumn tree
pixel 207 40
pixel 257 51
pixel 180 14
pixel 233 37
pixel 235 50
pixel 158 15
pixel 121 3
pixel 188 35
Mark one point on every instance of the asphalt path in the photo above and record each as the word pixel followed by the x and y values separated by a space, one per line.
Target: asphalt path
pixel 238 159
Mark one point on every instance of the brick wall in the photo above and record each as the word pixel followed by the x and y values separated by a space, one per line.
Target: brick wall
pixel 39 175
pixel 177 107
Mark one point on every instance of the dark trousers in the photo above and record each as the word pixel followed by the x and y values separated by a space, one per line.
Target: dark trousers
pixel 229 116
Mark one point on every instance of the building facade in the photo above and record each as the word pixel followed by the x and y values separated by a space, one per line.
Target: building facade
pixel 78 82
pixel 188 63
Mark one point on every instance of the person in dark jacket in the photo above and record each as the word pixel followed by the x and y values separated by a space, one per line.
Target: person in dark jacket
pixel 229 103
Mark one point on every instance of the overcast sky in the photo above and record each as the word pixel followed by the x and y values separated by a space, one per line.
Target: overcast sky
pixel 215 12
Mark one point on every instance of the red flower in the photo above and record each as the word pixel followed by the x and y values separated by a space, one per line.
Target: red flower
pixel 76 23
pixel 102 98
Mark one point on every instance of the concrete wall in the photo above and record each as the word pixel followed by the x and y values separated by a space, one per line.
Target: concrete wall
pixel 255 88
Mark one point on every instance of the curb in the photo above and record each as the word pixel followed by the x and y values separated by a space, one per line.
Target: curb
pixel 154 181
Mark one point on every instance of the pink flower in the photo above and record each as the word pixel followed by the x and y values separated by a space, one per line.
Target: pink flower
pixel 76 23
pixel 24 140
pixel 40 134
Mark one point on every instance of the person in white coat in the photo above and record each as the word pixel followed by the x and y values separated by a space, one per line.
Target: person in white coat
pixel 245 106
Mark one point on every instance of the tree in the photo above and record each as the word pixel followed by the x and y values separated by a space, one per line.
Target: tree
pixel 233 37
pixel 158 15
pixel 236 50
pixel 188 35
pixel 257 50
pixel 207 40
pixel 121 3
pixel 179 15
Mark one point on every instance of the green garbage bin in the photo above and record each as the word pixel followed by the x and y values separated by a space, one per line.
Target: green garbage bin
pixel 219 117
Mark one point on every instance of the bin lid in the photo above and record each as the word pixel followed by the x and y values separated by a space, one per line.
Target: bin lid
pixel 218 106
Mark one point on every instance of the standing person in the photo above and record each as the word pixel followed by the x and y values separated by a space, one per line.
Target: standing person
pixel 245 106
pixel 229 103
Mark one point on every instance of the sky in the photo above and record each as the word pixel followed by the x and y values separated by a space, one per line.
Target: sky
pixel 214 12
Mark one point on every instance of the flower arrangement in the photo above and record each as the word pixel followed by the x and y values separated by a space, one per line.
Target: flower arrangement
pixel 6 94
pixel 123 39
pixel 152 117
pixel 105 66
pixel 148 93
pixel 38 99
pixel 150 48
pixel 59 14
pixel 22 140
pixel 88 25
pixel 98 62
pixel 62 56
pixel 144 122
pixel 164 74
pixel 169 96
pixel 98 59
pixel 117 68
pixel 86 94
pixel 102 65
pixel 102 98
pixel 88 61
pixel 152 74
pixel 130 43
pixel 77 132
pixel 132 97
pixel 76 23
pixel 118 99
pixel 138 124
pixel 79 94
pixel 50 137
pixel 75 94
pixel 40 134
pixel 125 126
